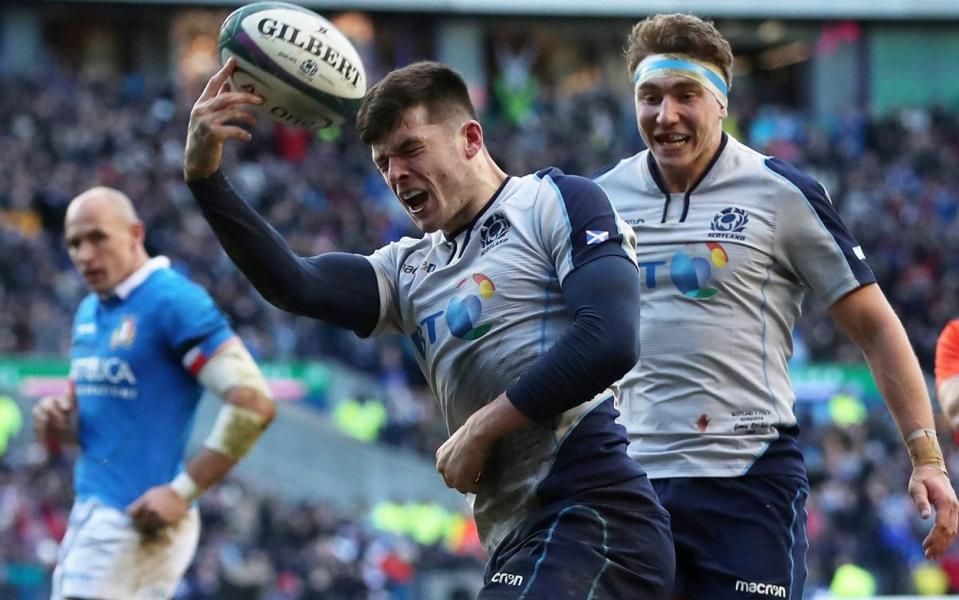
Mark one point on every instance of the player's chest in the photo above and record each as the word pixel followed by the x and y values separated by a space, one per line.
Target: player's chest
pixel 111 345
pixel 460 298
pixel 695 250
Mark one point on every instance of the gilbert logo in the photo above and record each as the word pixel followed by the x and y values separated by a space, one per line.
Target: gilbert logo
pixel 508 579
pixel 762 589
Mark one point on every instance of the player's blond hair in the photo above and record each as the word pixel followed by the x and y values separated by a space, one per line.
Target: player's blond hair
pixel 680 34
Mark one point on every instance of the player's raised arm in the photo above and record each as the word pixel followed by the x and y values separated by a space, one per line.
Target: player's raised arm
pixel 248 408
pixel 335 287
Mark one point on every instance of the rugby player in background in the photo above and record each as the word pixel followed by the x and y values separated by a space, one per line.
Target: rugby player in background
pixel 947 373
pixel 731 242
pixel 520 301
pixel 146 343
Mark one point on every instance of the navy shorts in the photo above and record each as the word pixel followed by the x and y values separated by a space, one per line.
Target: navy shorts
pixel 609 543
pixel 738 537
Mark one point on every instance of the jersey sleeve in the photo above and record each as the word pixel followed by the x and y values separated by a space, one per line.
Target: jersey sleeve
pixel 195 326
pixel 811 239
pixel 386 265
pixel 947 352
pixel 578 223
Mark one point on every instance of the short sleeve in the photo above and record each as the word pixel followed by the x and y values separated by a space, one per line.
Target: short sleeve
pixel 811 239
pixel 195 326
pixel 947 352
pixel 578 223
pixel 386 265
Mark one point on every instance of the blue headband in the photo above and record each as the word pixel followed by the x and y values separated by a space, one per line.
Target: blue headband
pixel 681 65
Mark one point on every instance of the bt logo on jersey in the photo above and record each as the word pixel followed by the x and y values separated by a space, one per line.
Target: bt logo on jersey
pixel 463 313
pixel 690 269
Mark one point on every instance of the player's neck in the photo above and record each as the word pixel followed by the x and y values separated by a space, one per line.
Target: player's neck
pixel 682 179
pixel 478 190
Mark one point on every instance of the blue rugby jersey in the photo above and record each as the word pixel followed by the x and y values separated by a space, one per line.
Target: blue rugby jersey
pixel 133 361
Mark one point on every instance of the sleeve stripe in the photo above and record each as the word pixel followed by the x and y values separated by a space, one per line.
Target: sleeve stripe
pixel 817 198
pixel 194 360
pixel 562 206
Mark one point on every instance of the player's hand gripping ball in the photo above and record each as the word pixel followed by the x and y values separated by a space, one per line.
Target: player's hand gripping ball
pixel 308 73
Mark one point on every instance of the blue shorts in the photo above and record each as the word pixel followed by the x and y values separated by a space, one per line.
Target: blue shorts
pixel 612 542
pixel 738 537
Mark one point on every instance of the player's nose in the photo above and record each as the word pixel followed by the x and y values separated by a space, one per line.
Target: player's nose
pixel 668 111
pixel 396 170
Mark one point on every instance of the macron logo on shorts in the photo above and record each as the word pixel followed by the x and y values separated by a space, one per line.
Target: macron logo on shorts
pixel 763 589
pixel 508 579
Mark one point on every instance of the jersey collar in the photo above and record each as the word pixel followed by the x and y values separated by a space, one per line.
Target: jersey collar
pixel 126 287
pixel 661 183
pixel 469 226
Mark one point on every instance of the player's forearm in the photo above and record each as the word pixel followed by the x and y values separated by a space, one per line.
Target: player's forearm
pixel 898 377
pixel 869 320
pixel 495 420
pixel 208 468
pixel 246 414
pixel 335 287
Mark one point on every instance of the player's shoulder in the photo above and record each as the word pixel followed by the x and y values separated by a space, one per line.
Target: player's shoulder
pixel 170 288
pixel 788 180
pixel 87 308
pixel 623 169
pixel 569 189
pixel 403 252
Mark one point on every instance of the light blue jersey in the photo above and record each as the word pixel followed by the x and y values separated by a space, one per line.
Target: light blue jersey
pixel 134 358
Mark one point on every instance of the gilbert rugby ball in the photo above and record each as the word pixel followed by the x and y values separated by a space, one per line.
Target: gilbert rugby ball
pixel 308 73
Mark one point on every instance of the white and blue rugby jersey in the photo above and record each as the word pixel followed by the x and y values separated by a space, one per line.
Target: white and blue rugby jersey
pixel 133 362
pixel 723 271
pixel 482 306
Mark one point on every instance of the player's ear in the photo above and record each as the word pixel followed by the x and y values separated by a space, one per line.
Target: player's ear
pixel 472 133
pixel 723 113
pixel 138 231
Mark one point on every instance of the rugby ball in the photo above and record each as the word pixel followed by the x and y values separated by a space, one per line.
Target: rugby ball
pixel 308 73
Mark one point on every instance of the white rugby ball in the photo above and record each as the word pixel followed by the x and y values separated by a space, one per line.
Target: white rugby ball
pixel 308 73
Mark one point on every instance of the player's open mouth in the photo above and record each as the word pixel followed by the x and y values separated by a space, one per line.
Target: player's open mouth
pixel 414 200
pixel 672 140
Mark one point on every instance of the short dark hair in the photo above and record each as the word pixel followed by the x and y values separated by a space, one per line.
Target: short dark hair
pixel 431 84
pixel 682 34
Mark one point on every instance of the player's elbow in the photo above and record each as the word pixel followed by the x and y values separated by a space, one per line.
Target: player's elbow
pixel 253 400
pixel 619 355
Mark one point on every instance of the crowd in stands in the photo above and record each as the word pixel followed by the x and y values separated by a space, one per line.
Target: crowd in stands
pixel 893 179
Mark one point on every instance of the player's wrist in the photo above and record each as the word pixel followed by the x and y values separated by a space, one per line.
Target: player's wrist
pixel 924 449
pixel 184 486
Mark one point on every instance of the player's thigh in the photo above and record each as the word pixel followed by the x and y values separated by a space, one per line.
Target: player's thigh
pixel 104 556
pixel 163 557
pixel 95 556
pixel 742 537
pixel 585 551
